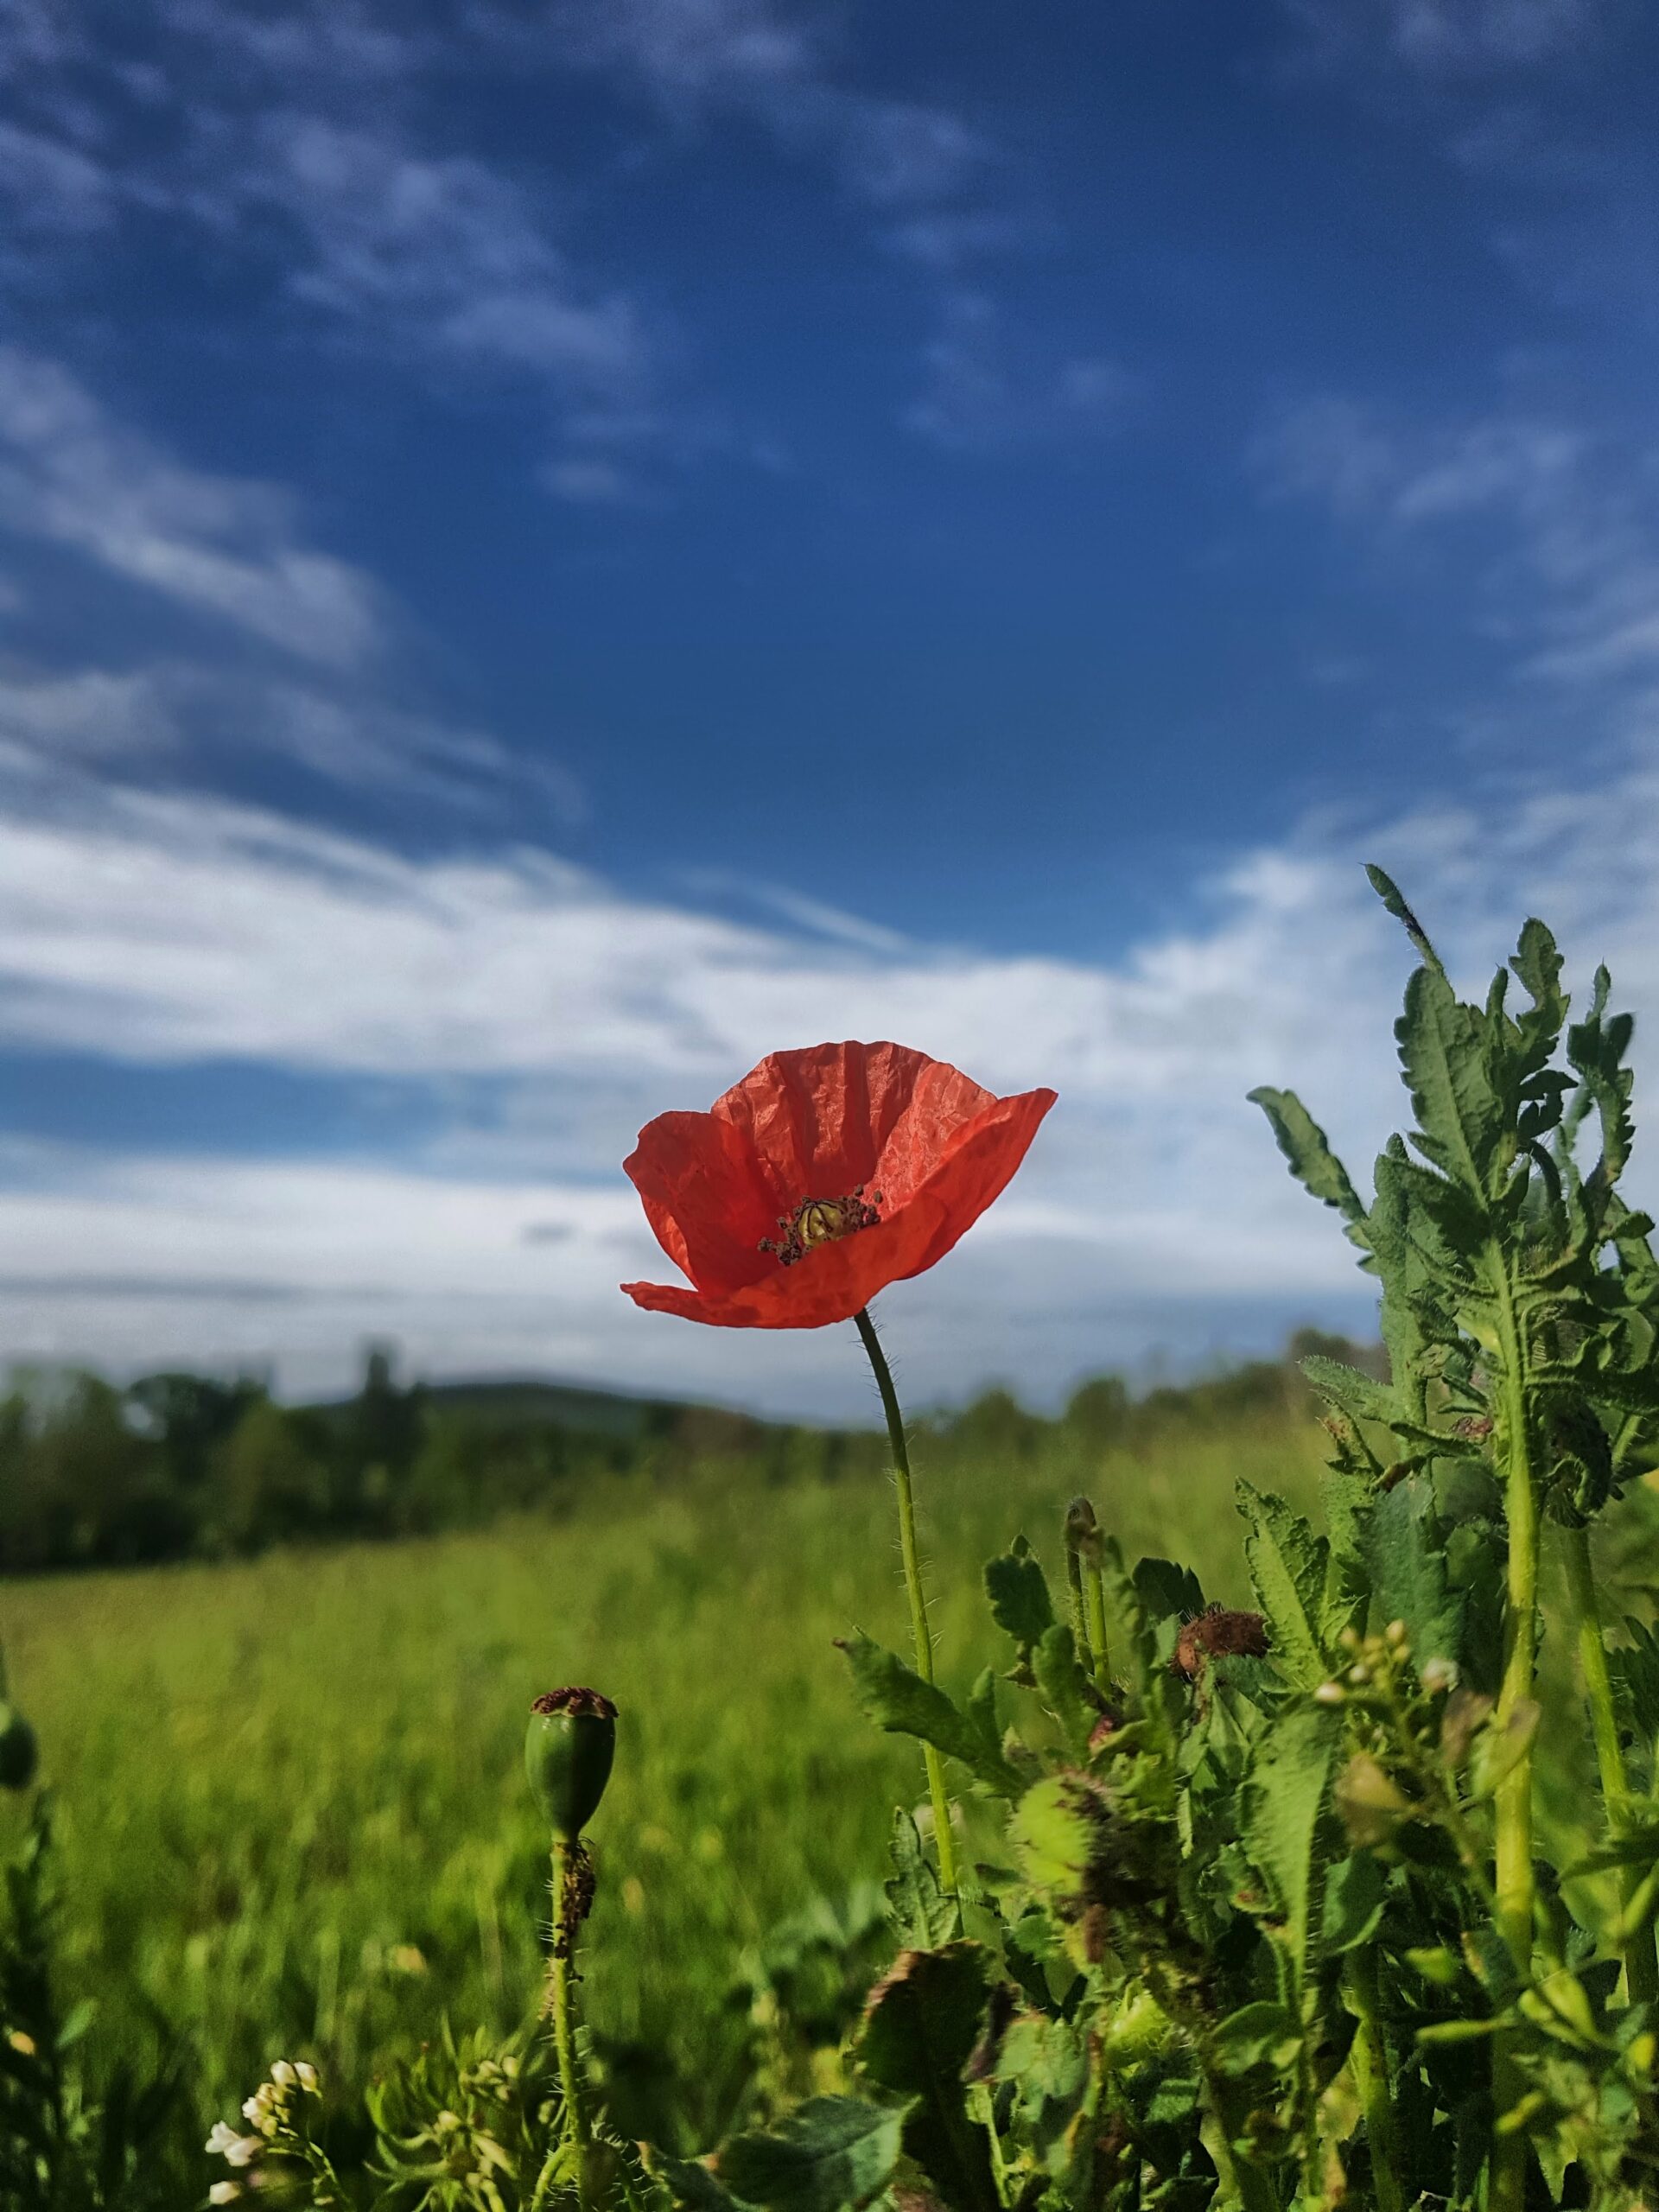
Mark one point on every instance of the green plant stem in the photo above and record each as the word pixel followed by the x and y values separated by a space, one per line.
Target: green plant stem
pixel 1371 2076
pixel 1512 1807
pixel 562 1992
pixel 1094 1589
pixel 1640 1973
pixel 944 1843
pixel 1079 1622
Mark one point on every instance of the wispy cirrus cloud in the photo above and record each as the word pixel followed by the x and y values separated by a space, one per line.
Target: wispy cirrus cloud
pixel 1451 41
pixel 989 388
pixel 1569 517
pixel 227 547
pixel 233 554
pixel 554 1011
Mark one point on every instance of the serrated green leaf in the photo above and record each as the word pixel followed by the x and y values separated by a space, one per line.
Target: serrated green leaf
pixel 1306 1148
pixel 1347 1498
pixel 1287 1564
pixel 922 2023
pixel 1017 1590
pixel 1393 900
pixel 1406 1556
pixel 828 2155
pixel 1461 1123
pixel 1065 1687
pixel 1166 1591
pixel 1355 1393
pixel 921 1914
pixel 897 1699
pixel 1285 1830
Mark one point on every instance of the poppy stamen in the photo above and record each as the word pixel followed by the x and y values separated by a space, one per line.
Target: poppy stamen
pixel 821 1221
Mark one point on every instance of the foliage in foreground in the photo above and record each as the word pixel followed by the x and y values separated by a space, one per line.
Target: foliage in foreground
pixel 1258 1911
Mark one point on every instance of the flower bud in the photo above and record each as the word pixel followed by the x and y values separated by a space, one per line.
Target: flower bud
pixel 19 1753
pixel 1083 1536
pixel 569 1748
pixel 1370 1802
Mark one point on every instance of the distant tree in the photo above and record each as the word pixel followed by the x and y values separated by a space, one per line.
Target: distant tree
pixel 1098 1412
pixel 270 1480
pixel 997 1425
pixel 187 1415
pixel 384 1424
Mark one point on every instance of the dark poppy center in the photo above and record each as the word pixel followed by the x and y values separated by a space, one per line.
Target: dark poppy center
pixel 821 1221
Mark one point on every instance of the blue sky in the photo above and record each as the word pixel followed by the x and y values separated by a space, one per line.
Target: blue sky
pixel 547 549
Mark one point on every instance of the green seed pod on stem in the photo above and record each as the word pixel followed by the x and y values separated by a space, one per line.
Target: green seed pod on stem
pixel 19 1753
pixel 568 1749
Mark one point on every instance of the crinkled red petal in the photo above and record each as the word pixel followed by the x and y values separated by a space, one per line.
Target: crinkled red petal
pixel 811 1124
pixel 835 1281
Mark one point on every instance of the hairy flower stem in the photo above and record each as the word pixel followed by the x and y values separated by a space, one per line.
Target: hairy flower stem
pixel 577 2128
pixel 943 1841
pixel 1641 1976
pixel 1512 1806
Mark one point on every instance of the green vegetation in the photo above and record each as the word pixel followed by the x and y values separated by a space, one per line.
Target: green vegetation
pixel 291 1811
pixel 1325 1874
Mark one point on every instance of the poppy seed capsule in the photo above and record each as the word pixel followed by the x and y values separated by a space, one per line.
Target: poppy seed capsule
pixel 569 1748
pixel 18 1751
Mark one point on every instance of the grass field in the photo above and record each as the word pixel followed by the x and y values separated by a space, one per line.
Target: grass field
pixel 290 1799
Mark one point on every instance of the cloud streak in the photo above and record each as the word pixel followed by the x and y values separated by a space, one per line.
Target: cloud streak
pixel 220 546
pixel 181 931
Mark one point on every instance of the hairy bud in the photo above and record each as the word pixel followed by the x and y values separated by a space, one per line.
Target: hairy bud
pixel 568 1749
pixel 1082 1536
pixel 1218 1633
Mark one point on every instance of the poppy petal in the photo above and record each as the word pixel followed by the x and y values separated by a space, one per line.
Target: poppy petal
pixel 704 1197
pixel 820 1120
pixel 833 1281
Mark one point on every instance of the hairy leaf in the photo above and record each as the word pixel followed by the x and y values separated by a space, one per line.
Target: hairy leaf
pixel 922 2023
pixel 1167 1592
pixel 1286 1832
pixel 921 1913
pixel 1017 1590
pixel 1287 1564
pixel 1461 1124
pixel 1358 1395
pixel 1405 1553
pixel 828 2155
pixel 1065 1687
pixel 1394 898
pixel 1304 1144
pixel 897 1698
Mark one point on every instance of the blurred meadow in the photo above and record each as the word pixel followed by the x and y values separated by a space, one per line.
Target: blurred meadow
pixel 288 1789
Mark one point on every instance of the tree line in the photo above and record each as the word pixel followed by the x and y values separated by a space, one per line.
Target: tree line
pixel 178 1465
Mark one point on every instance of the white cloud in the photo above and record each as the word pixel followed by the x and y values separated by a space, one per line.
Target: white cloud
pixel 1154 1208
pixel 446 250
pixel 1570 565
pixel 221 546
pixel 1453 40
pixel 197 718
pixel 986 389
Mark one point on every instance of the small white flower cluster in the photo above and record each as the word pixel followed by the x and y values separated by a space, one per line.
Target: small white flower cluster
pixel 270 2116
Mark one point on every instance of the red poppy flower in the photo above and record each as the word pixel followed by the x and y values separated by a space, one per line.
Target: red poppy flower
pixel 821 1177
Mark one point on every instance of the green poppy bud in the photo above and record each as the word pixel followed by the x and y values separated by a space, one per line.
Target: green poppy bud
pixel 1082 1536
pixel 568 1753
pixel 18 1751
